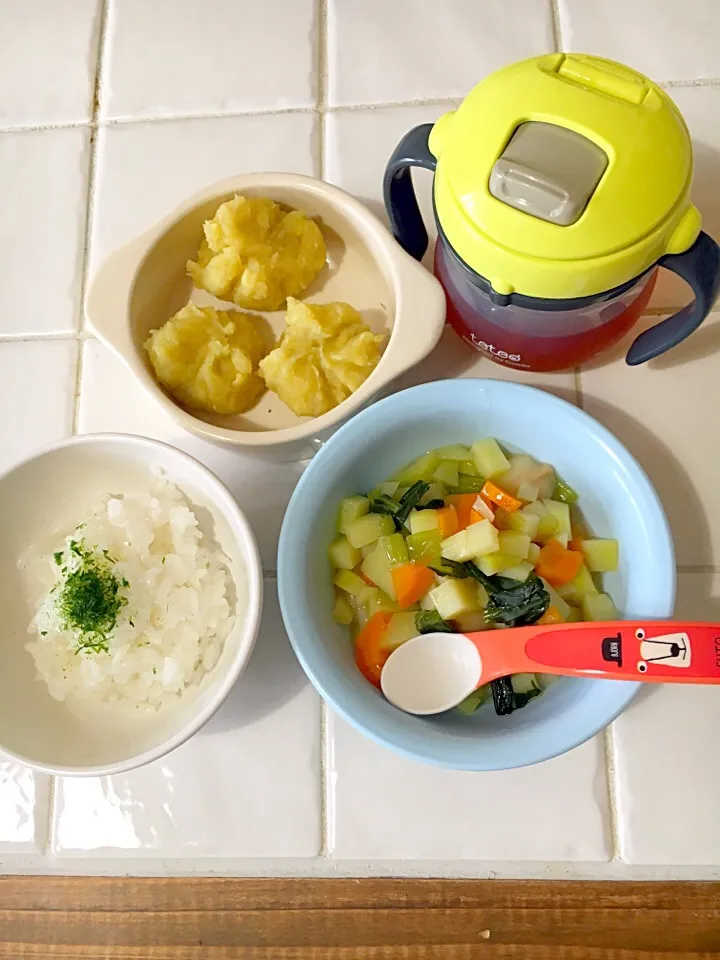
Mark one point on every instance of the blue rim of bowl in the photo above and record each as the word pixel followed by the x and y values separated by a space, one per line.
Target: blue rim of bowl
pixel 318 676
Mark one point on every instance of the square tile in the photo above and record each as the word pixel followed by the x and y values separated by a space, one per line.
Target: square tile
pixel 668 779
pixel 177 57
pixel 359 143
pixel 42 373
pixel 660 412
pixel 24 809
pixel 381 805
pixel 661 38
pixel 48 59
pixel 111 400
pixel 418 49
pixel 146 169
pixel 247 785
pixel 43 196
pixel 700 106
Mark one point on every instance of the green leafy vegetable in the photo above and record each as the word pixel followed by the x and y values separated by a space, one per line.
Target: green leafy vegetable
pixel 513 603
pixel 503 696
pixel 430 621
pixel 399 510
pixel 452 568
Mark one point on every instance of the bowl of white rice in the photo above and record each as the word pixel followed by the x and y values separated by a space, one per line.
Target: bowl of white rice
pixel 130 600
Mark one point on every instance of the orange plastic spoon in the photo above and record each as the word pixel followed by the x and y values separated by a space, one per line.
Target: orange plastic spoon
pixel 436 671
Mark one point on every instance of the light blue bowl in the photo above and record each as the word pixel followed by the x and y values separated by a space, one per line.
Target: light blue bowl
pixel 617 500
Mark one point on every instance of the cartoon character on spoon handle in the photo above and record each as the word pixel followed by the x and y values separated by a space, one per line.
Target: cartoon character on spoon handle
pixel 416 677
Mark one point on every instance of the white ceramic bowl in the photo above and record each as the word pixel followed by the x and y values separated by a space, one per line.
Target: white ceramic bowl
pixel 42 499
pixel 143 284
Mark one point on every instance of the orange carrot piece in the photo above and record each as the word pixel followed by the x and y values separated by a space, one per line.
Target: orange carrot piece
pixel 557 565
pixel 448 520
pixel 369 655
pixel 551 615
pixel 411 581
pixel 475 517
pixel 495 496
pixel 463 503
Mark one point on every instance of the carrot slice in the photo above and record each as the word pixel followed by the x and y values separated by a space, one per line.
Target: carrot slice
pixel 369 656
pixel 558 565
pixel 551 615
pixel 495 496
pixel 411 581
pixel 463 503
pixel 475 517
pixel 448 521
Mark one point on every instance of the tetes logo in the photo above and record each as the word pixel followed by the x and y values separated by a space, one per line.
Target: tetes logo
pixel 500 354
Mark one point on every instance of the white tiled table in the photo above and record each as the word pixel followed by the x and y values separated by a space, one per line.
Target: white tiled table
pixel 112 112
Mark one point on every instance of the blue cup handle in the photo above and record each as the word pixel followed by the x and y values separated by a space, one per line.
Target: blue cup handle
pixel 400 200
pixel 700 267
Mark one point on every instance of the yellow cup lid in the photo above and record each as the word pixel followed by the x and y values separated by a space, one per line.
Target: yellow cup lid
pixel 639 210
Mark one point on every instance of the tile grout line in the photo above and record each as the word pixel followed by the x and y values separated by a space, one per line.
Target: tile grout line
pixel 321 80
pixel 90 207
pixel 97 124
pixel 556 22
pixel 80 334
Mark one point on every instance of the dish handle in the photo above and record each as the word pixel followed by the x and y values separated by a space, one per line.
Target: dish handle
pixel 107 300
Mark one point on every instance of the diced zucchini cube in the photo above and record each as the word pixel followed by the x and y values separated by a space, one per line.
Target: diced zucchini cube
pixel 556 600
pixel 521 571
pixel 456 451
pixel 472 621
pixel 377 567
pixel 424 547
pixel 601 556
pixel 388 488
pixel 420 469
pixel 400 629
pixel 523 522
pixel 525 683
pixel 582 586
pixel 436 491
pixel 533 553
pixel 476 699
pixel 574 615
pixel 475 541
pixel 454 597
pixel 489 458
pixel 342 555
pixel 467 468
pixel 598 606
pixel 514 543
pixel 422 521
pixel 547 528
pixel 367 549
pixel 528 492
pixel 561 512
pixel 342 611
pixel 394 547
pixel 427 602
pixel 377 600
pixel 494 563
pixel 369 528
pixel 525 469
pixel 351 583
pixel 537 507
pixel 351 509
pixel 447 473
